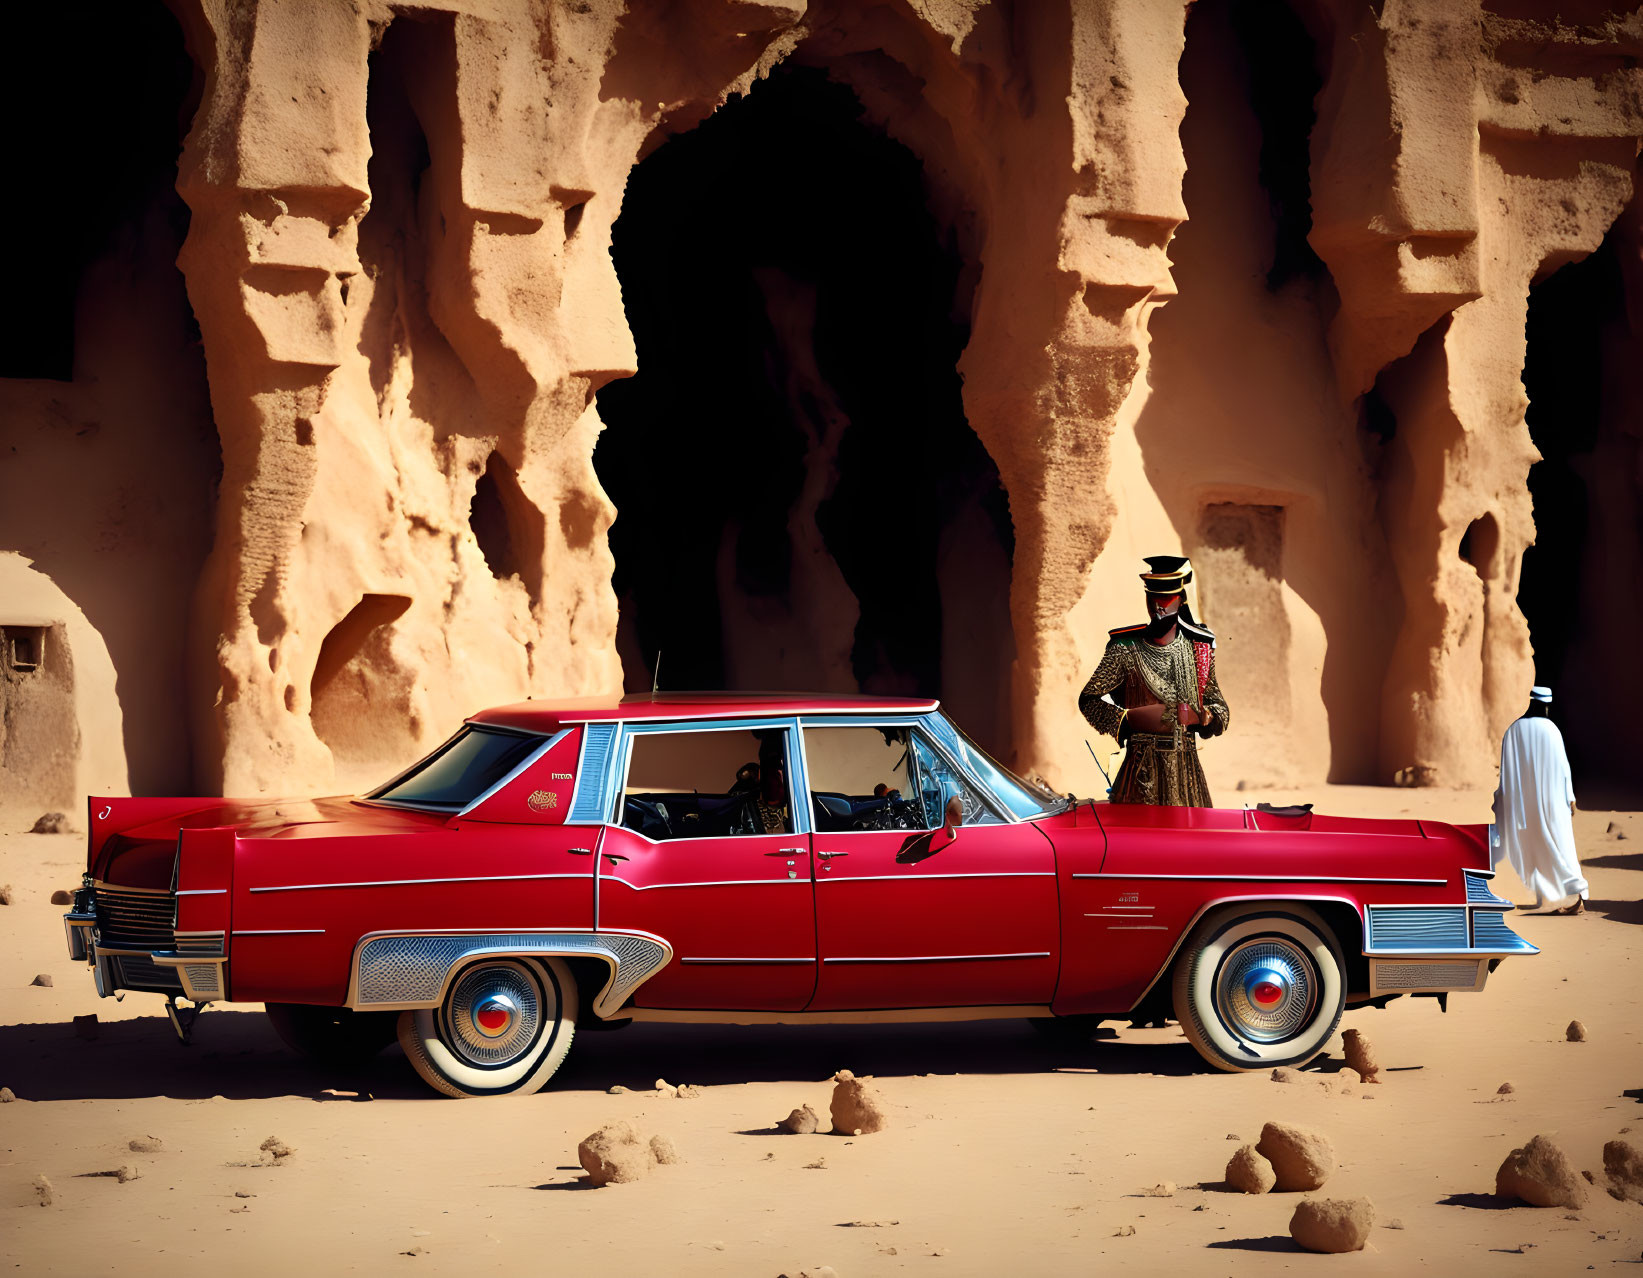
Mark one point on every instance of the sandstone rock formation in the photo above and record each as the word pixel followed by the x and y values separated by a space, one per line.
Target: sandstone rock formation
pixel 1623 1164
pixel 1541 1175
pixel 1301 1157
pixel 1360 1055
pixel 857 1108
pixel 360 500
pixel 801 1122
pixel 618 1153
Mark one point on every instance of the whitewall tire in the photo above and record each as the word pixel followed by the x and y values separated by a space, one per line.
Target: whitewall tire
pixel 503 1028
pixel 1260 987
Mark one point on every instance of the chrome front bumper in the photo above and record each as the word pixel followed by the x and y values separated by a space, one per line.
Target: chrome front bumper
pixel 194 967
pixel 1430 949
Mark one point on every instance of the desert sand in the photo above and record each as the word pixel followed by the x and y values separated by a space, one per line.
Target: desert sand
pixel 1004 1153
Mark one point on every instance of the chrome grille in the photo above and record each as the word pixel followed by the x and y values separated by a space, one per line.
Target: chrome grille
pixel 1479 893
pixel 135 920
pixel 140 974
pixel 1490 932
pixel 1434 928
pixel 1426 976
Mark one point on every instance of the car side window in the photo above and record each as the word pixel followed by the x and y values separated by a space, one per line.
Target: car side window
pixel 862 778
pixel 697 784
pixel 937 777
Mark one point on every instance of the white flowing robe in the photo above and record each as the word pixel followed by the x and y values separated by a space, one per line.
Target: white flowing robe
pixel 1534 830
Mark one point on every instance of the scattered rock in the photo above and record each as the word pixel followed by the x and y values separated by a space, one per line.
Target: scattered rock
pixel 1623 1161
pixel 51 823
pixel 1576 1033
pixel 7 1096
pixel 126 1172
pixel 1332 1224
pixel 5 894
pixel 43 980
pixel 1540 1174
pixel 870 1224
pixel 617 1153
pixel 1163 1189
pixel 1505 1089
pixel 1234 1136
pixel 1394 1223
pixel 240 1193
pixel 415 1251
pixel 801 1122
pixel 1346 1077
pixel 145 1145
pixel 857 1108
pixel 1283 1074
pixel 1360 1055
pixel 1249 1173
pixel 1614 831
pixel 86 1026
pixel 814 1271
pixel 687 1090
pixel 60 897
pixel 1589 1177
pixel 277 1150
pixel 617 1090
pixel 43 1190
pixel 1124 1231
pixel 1301 1158
pixel 819 1165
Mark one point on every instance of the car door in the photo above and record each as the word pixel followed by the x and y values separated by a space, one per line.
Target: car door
pixel 691 858
pixel 908 914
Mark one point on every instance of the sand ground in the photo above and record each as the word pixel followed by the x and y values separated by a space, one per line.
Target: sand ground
pixel 1007 1154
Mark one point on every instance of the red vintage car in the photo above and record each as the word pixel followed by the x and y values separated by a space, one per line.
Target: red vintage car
pixel 741 858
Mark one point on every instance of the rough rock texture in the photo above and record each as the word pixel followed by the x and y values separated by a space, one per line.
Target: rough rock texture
pixel 1576 1033
pixel 1301 1157
pixel 361 502
pixel 7 1095
pixel 145 1144
pixel 275 1150
pixel 1541 1175
pixel 1249 1173
pixel 1332 1224
pixel 51 823
pixel 1360 1055
pixel 801 1122
pixel 1623 1163
pixel 857 1108
pixel 43 979
pixel 617 1153
pixel 43 1192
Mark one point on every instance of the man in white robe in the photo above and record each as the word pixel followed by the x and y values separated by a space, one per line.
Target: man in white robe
pixel 1534 808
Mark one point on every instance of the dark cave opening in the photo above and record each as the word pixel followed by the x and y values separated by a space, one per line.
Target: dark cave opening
pixel 93 139
pixel 1577 585
pixel 792 459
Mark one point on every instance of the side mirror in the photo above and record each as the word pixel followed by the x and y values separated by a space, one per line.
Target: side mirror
pixel 953 816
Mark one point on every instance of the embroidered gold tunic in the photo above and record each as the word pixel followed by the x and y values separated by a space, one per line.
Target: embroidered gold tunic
pixel 1159 768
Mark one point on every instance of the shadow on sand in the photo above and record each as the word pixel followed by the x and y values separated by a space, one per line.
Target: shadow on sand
pixel 237 1055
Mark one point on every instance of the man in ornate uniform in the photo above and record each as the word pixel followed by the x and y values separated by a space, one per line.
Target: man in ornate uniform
pixel 1162 677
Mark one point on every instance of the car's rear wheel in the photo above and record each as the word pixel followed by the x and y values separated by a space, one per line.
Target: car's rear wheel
pixel 1258 989
pixel 503 1028
pixel 331 1035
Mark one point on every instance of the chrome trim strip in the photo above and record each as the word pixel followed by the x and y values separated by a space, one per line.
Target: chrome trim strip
pixel 942 958
pixel 200 892
pixel 913 876
pixel 281 931
pixel 475 878
pixel 1273 878
pixel 1151 927
pixel 796 776
pixel 651 887
pixel 758 961
pixel 893 1015
pixel 1105 914
pixel 646 720
pixel 530 761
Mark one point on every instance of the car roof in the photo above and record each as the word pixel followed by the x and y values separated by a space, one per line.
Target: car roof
pixel 549 716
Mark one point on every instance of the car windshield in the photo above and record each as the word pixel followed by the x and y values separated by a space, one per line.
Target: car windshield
pixel 1024 799
pixel 461 770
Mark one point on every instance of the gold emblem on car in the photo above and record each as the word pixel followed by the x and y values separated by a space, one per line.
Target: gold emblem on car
pixel 542 800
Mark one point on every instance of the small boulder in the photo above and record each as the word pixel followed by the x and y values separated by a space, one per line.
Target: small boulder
pixel 1347 1077
pixel 60 897
pixel 145 1145
pixel 51 823
pixel 7 1096
pixel 662 1150
pixel 43 1191
pixel 5 894
pixel 1163 1189
pixel 43 980
pixel 1505 1089
pixel 1332 1224
pixel 617 1089
pixel 127 1172
pixel 1576 1033
pixel 1301 1158
pixel 1360 1055
pixel 1614 831
pixel 1124 1231
pixel 615 1155
pixel 801 1122
pixel 1283 1074
pixel 857 1108
pixel 1249 1173
pixel 1623 1161
pixel 814 1271
pixel 277 1150
pixel 86 1026
pixel 1540 1174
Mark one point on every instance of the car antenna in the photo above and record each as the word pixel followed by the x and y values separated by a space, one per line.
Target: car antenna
pixel 1103 771
pixel 656 676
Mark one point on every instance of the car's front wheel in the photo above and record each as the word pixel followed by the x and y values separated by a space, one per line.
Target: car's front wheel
pixel 1258 989
pixel 503 1028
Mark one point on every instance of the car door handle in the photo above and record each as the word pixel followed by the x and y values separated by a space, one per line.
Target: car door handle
pixel 830 855
pixel 581 851
pixel 614 857
pixel 788 852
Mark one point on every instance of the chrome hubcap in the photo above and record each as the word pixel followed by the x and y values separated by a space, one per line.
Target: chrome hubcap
pixel 1266 990
pixel 495 1014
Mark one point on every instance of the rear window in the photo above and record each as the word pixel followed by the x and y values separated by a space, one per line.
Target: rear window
pixel 461 770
